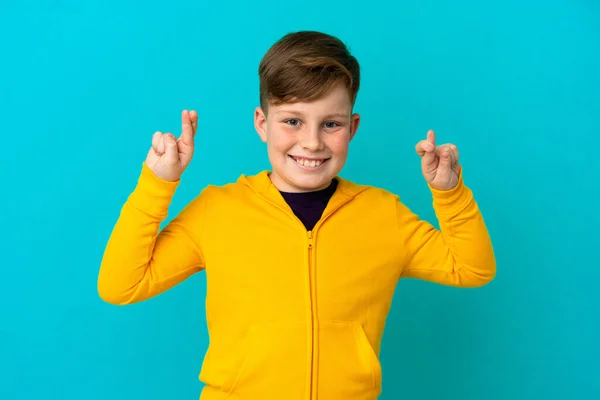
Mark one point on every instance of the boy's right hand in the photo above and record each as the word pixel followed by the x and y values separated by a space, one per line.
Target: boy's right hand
pixel 169 157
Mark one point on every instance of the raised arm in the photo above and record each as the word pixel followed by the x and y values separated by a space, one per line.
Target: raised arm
pixel 140 261
pixel 460 252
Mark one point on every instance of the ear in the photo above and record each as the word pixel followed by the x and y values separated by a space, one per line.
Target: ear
pixel 260 123
pixel 354 122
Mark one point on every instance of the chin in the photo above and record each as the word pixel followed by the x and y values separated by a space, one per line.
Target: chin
pixel 304 178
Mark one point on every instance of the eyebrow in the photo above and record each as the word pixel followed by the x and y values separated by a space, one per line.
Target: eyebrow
pixel 333 115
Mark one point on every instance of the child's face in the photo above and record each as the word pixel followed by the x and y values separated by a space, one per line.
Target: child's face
pixel 307 143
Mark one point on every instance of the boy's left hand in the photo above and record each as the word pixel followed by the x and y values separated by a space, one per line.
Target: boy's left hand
pixel 439 164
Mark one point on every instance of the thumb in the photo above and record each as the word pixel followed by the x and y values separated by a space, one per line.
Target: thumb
pixel 171 156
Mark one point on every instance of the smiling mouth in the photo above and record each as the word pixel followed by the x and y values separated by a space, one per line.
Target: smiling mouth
pixel 309 162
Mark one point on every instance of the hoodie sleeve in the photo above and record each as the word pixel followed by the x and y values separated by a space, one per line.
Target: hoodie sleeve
pixel 460 253
pixel 139 262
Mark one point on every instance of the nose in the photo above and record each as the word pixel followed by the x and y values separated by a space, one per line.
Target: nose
pixel 311 139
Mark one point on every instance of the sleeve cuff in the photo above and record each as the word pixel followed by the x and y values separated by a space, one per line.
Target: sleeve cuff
pixel 153 184
pixel 152 194
pixel 453 199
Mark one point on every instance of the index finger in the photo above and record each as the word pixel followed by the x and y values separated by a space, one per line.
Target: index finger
pixel 431 137
pixel 187 128
pixel 424 146
pixel 194 118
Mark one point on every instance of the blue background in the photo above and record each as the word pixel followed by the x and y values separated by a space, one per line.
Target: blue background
pixel 83 85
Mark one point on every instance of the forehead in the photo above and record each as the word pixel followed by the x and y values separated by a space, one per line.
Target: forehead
pixel 337 101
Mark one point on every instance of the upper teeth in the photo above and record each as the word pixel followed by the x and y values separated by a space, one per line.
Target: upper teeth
pixel 308 163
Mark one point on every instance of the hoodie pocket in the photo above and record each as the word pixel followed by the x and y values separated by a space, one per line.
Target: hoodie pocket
pixel 348 367
pixel 269 361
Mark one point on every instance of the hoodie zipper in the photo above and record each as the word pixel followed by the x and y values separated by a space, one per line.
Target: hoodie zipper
pixel 311 393
pixel 311 321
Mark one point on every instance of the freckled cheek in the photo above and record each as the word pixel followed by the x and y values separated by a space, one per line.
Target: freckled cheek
pixel 282 144
pixel 338 146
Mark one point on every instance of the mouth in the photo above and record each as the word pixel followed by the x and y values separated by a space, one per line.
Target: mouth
pixel 309 163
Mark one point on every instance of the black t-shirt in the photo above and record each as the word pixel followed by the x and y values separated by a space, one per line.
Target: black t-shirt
pixel 309 206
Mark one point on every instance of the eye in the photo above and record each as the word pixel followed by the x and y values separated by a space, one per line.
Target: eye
pixel 292 122
pixel 331 124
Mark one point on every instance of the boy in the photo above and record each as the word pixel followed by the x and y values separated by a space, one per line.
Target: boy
pixel 301 264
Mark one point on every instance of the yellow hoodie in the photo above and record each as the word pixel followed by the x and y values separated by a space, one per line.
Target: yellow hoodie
pixel 292 314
